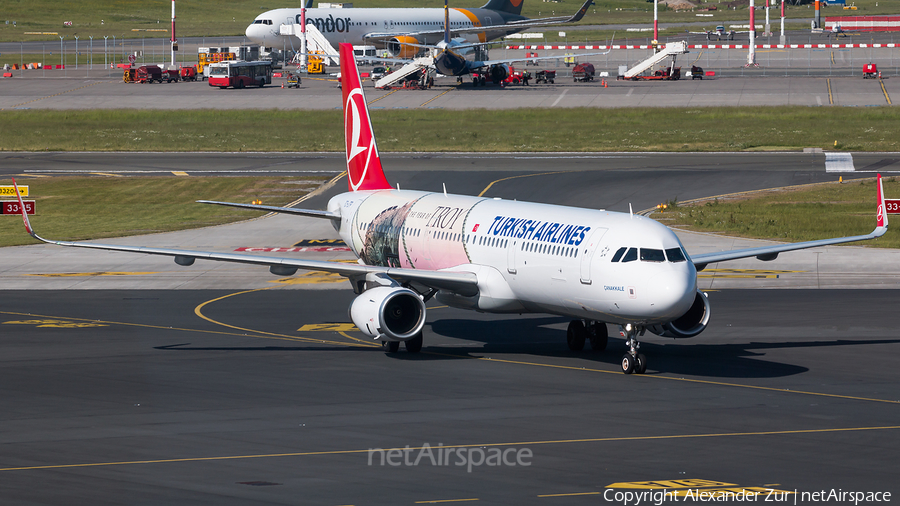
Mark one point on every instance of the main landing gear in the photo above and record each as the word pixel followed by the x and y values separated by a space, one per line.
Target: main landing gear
pixel 580 330
pixel 632 361
pixel 413 345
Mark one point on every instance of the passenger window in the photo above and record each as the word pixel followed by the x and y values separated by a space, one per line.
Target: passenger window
pixel 652 255
pixel 675 255
pixel 631 255
pixel 618 255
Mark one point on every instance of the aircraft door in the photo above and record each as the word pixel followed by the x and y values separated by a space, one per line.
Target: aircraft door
pixel 587 250
pixel 511 256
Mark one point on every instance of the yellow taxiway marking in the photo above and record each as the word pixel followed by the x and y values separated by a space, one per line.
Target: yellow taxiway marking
pixel 475 445
pixel 160 327
pixel 884 90
pixel 179 173
pixel 327 327
pixel 743 273
pixel 437 97
pixel 686 483
pixel 830 96
pixel 54 95
pixel 83 274
pixel 199 312
pixel 379 98
pixel 447 500
pixel 312 278
pixel 669 378
pixel 106 174
pixel 567 495
pixel 488 187
pixel 59 324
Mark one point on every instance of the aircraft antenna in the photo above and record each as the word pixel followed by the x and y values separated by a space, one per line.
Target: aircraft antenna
pixel 445 188
pixel 630 211
pixel 398 186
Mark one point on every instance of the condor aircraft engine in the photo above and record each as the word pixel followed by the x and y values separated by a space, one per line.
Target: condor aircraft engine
pixel 598 268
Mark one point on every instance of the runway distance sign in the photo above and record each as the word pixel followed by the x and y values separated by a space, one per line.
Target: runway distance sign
pixel 10 191
pixel 892 206
pixel 12 207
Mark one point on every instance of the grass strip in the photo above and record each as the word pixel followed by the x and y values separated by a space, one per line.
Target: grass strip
pixel 212 18
pixel 84 208
pixel 577 129
pixel 806 213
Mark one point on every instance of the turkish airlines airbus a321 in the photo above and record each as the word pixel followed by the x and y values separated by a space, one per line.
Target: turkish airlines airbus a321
pixel 496 256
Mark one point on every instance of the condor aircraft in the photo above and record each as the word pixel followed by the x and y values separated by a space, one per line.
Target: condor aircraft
pixel 497 256
pixel 396 28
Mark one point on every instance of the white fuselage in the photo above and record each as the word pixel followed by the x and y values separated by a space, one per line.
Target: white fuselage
pixel 357 26
pixel 528 257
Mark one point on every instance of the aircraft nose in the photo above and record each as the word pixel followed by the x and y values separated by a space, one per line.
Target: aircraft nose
pixel 674 292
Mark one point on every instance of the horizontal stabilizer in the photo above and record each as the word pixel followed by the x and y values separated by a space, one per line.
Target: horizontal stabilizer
pixel 273 209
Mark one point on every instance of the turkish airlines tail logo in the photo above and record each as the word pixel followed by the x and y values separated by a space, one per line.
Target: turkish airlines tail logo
pixel 364 170
pixel 880 213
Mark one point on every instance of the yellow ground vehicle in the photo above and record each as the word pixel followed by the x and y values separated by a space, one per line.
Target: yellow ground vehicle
pixel 207 58
pixel 315 65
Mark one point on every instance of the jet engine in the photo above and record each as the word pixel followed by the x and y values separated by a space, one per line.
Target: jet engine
pixel 689 324
pixel 392 313
pixel 399 46
pixel 499 72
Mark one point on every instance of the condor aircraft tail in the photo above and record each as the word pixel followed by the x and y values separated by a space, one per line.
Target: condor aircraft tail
pixel 364 170
pixel 510 6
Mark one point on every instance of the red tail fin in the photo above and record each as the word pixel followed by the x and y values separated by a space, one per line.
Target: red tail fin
pixel 364 170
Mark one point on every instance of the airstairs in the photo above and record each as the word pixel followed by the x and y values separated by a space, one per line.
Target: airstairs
pixel 405 71
pixel 315 42
pixel 671 49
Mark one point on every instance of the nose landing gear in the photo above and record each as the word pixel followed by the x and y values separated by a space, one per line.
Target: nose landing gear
pixel 632 361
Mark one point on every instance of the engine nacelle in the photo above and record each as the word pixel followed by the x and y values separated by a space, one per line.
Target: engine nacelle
pixel 399 46
pixel 689 324
pixel 388 313
pixel 499 72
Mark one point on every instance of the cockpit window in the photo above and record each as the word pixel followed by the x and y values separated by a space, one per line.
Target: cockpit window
pixel 675 255
pixel 652 255
pixel 631 256
pixel 618 255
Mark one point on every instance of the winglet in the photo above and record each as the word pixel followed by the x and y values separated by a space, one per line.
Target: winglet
pixel 24 214
pixel 881 211
pixel 364 171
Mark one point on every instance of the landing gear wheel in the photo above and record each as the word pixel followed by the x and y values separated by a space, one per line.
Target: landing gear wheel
pixel 640 365
pixel 575 335
pixel 390 346
pixel 599 336
pixel 627 363
pixel 414 345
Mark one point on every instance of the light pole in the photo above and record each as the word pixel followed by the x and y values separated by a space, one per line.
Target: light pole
pixel 76 52
pixel 114 46
pixel 91 57
pixel 104 51
pixel 61 64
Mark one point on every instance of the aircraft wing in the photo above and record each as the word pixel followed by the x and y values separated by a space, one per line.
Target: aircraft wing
pixel 463 283
pixel 517 25
pixel 767 253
